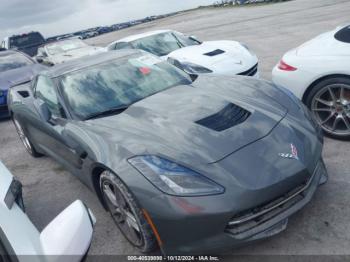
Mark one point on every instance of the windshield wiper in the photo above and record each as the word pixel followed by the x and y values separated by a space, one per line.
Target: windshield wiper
pixel 178 41
pixel 111 111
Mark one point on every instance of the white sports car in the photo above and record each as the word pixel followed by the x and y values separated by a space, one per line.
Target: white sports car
pixel 65 50
pixel 193 56
pixel 66 238
pixel 318 72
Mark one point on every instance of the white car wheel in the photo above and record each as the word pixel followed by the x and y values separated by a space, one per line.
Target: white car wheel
pixel 329 102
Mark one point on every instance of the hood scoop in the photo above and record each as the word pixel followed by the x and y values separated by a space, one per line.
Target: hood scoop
pixel 215 52
pixel 230 116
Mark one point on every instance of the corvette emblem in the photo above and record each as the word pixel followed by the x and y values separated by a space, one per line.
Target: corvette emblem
pixel 292 155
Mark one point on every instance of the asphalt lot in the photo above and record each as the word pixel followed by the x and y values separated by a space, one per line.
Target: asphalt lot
pixel 321 228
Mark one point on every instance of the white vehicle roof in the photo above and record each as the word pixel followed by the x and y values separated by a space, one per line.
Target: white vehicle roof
pixel 139 36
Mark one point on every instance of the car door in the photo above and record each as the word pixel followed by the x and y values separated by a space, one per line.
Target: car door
pixel 51 136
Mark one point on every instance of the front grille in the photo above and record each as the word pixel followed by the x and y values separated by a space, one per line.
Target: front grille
pixel 226 118
pixel 250 72
pixel 249 219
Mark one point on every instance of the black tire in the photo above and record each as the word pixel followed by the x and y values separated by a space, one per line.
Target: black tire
pixel 24 138
pixel 329 102
pixel 147 241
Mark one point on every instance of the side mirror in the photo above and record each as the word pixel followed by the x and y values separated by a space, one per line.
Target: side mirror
pixel 44 111
pixel 192 76
pixel 176 63
pixel 70 233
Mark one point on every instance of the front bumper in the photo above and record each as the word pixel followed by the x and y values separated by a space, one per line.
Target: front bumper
pixel 212 233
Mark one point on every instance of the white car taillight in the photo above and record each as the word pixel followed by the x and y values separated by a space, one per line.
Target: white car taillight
pixel 285 67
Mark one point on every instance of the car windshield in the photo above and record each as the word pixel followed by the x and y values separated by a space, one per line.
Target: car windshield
pixel 164 43
pixel 118 84
pixel 64 46
pixel 26 40
pixel 13 61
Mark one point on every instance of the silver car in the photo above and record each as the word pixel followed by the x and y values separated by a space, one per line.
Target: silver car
pixel 65 50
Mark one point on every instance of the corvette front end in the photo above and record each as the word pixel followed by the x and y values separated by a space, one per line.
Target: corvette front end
pixel 252 206
pixel 261 191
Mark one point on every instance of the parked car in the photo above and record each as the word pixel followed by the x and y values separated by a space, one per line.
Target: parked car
pixel 15 68
pixel 121 26
pixel 26 43
pixel 318 72
pixel 64 37
pixel 66 238
pixel 171 158
pixel 104 30
pixel 65 50
pixel 90 34
pixel 193 56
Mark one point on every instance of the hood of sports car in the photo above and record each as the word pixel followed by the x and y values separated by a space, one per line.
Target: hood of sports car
pixel 198 123
pixel 324 45
pixel 20 75
pixel 217 56
pixel 75 53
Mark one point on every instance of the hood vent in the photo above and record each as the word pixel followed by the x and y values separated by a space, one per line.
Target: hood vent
pixel 226 118
pixel 215 52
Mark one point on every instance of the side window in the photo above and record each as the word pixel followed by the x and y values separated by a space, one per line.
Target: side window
pixel 45 90
pixel 122 45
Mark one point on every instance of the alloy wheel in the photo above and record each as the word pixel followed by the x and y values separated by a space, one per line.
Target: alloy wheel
pixel 331 108
pixel 122 214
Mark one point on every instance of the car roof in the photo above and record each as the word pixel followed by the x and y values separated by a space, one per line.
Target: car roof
pixel 61 41
pixel 138 36
pixel 88 61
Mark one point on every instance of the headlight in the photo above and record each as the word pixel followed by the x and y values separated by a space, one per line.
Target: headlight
pixel 191 68
pixel 174 179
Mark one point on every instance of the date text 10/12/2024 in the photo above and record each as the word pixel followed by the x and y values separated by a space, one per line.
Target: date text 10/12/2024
pixel 173 258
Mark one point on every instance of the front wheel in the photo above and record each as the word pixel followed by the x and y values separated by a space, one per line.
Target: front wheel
pixel 329 102
pixel 126 213
pixel 25 140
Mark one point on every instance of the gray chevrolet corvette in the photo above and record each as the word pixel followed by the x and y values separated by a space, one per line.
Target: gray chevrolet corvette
pixel 192 165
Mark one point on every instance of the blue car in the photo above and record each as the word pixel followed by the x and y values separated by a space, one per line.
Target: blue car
pixel 15 68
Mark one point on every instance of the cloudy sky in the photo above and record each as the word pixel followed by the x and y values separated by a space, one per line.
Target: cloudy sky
pixel 52 17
